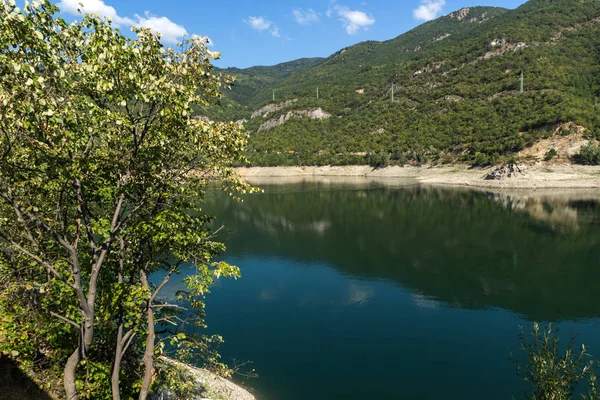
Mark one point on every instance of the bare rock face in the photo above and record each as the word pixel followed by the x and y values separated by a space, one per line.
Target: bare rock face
pixel 442 37
pixel 271 108
pixel 505 172
pixel 460 14
pixel 316 113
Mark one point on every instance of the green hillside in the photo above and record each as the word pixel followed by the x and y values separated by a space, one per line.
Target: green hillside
pixel 456 90
pixel 251 83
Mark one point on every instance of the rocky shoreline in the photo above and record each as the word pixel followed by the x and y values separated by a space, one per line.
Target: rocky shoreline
pixel 206 385
pixel 520 177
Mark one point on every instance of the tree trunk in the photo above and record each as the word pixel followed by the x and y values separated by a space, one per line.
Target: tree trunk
pixel 149 352
pixel 69 374
pixel 116 389
pixel 114 380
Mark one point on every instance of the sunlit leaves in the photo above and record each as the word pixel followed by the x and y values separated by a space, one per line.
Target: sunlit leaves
pixel 99 149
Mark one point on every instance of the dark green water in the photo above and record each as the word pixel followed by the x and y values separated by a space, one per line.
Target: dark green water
pixel 371 292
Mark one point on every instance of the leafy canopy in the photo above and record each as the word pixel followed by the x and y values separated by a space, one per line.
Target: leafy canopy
pixel 102 171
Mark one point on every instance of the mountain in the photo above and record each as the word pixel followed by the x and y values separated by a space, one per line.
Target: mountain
pixel 456 91
pixel 251 81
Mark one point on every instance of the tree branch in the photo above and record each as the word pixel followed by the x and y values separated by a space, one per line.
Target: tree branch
pixel 37 259
pixel 68 321
pixel 62 241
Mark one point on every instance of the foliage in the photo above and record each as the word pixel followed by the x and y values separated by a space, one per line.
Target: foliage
pixel 458 95
pixel 379 160
pixel 550 154
pixel 588 155
pixel 551 375
pixel 102 171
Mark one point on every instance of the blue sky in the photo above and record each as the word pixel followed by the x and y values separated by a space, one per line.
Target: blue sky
pixel 268 32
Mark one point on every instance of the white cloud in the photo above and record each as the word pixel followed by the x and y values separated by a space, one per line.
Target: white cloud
pixel 170 31
pixel 94 7
pixel 353 20
pixel 275 32
pixel 258 23
pixel 262 24
pixel 429 9
pixel 305 17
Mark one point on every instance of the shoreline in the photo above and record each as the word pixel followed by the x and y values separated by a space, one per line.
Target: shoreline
pixel 537 176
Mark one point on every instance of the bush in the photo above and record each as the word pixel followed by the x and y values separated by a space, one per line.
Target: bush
pixel 588 155
pixel 550 374
pixel 378 160
pixel 550 155
pixel 481 160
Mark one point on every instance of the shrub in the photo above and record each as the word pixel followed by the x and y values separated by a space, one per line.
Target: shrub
pixel 481 160
pixel 588 155
pixel 378 160
pixel 550 155
pixel 550 374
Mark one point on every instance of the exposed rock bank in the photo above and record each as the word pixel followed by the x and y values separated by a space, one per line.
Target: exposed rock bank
pixel 537 176
pixel 207 386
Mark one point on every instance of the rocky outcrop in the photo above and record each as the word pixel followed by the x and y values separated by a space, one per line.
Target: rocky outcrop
pixel 316 113
pixel 501 47
pixel 453 98
pixel 460 14
pixel 442 37
pixel 566 140
pixel 271 108
pixel 429 68
pixel 464 14
pixel 506 171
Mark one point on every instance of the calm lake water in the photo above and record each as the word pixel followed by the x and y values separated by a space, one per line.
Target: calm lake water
pixel 364 291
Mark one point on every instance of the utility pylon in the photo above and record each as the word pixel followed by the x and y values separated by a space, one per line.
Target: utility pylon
pixel 522 82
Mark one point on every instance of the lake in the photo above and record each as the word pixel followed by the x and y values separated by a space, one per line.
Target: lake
pixel 359 289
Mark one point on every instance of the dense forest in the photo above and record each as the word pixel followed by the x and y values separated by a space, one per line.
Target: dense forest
pixel 456 91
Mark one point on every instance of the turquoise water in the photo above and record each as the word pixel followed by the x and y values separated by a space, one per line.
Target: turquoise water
pixel 359 291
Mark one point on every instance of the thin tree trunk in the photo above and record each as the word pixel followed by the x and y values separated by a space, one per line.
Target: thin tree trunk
pixel 149 352
pixel 115 381
pixel 69 374
pixel 80 353
pixel 116 390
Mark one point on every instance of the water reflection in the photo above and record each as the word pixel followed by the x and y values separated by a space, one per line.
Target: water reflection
pixel 536 253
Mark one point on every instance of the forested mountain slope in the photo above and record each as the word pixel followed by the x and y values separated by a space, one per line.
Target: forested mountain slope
pixel 456 96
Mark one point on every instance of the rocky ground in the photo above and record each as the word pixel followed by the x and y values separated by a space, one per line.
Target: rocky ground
pixel 207 386
pixel 539 175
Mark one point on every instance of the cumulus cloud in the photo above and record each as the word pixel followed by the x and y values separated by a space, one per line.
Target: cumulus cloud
pixel 429 9
pixel 169 30
pixel 353 20
pixel 258 23
pixel 305 17
pixel 94 7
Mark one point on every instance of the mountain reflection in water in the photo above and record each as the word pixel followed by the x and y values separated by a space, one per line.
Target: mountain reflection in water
pixel 537 255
